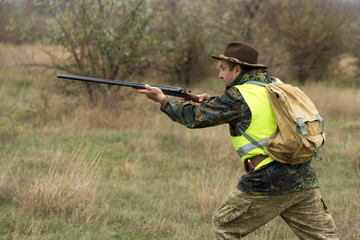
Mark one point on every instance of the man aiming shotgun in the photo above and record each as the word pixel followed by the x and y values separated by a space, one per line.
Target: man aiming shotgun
pixel 269 188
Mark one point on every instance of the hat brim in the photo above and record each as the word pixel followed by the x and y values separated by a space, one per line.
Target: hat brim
pixel 234 60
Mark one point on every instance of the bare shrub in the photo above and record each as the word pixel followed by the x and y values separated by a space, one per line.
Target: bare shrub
pixel 240 20
pixel 310 32
pixel 3 17
pixel 103 39
pixel 21 21
pixel 181 51
pixel 352 38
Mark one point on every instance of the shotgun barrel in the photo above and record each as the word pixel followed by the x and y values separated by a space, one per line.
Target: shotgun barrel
pixel 167 90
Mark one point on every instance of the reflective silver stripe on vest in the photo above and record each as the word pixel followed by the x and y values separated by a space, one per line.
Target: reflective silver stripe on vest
pixel 249 147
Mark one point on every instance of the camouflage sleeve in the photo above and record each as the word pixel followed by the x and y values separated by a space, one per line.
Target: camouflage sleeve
pixel 227 108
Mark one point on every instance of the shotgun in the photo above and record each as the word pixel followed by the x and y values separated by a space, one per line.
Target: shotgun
pixel 172 91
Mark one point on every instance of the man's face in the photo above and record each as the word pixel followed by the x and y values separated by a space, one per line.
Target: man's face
pixel 225 74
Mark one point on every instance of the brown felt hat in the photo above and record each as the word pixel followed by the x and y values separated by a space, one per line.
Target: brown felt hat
pixel 241 53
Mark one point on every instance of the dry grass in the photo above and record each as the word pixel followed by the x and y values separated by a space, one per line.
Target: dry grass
pixel 29 54
pixel 68 188
pixel 335 102
pixel 5 177
pixel 155 180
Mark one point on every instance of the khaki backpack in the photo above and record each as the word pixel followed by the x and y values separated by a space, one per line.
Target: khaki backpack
pixel 300 133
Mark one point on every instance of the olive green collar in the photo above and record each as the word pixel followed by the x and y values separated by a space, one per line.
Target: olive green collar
pixel 260 75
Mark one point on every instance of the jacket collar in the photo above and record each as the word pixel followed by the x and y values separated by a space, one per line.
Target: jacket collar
pixel 260 75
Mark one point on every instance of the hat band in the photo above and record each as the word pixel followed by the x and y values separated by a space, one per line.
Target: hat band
pixel 233 59
pixel 222 56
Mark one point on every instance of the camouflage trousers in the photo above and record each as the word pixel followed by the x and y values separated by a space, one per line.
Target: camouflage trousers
pixel 305 212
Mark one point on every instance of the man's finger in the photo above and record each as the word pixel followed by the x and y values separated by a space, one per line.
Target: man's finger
pixel 139 90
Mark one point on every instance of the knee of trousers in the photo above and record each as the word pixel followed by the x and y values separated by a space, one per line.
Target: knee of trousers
pixel 216 223
pixel 221 223
pixel 228 219
pixel 224 229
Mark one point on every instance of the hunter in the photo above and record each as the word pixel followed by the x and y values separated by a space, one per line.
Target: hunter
pixel 269 188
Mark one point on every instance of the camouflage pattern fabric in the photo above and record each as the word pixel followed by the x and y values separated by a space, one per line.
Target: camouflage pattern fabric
pixel 276 178
pixel 304 211
pixel 231 108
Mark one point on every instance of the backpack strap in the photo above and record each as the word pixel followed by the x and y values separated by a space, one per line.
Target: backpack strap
pixel 275 80
pixel 252 140
pixel 301 126
pixel 321 120
pixel 317 154
pixel 256 83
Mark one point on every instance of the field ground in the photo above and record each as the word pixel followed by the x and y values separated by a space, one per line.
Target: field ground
pixel 69 170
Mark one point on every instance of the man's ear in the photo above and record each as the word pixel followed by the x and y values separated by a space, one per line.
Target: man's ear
pixel 237 70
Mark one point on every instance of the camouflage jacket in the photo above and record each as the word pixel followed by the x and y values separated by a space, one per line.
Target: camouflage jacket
pixel 231 108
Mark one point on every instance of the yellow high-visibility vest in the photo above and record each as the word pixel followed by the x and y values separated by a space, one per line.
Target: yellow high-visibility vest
pixel 262 123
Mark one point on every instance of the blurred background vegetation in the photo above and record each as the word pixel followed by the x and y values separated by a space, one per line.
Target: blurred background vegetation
pixel 301 40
